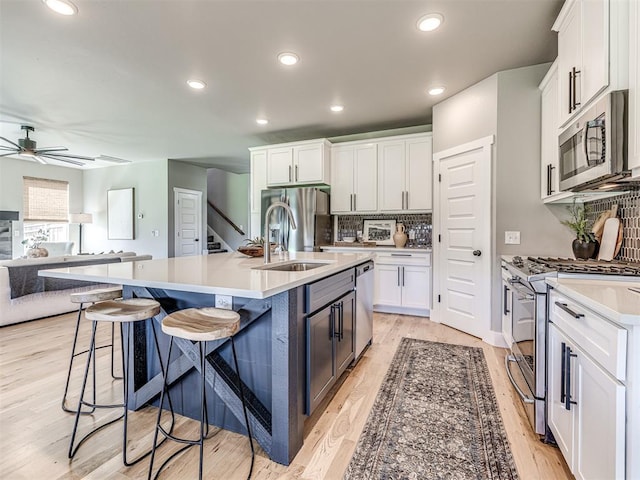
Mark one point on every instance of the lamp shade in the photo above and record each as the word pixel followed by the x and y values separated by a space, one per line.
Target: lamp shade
pixel 80 218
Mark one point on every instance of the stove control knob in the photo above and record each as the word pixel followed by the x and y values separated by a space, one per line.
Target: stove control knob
pixel 477 253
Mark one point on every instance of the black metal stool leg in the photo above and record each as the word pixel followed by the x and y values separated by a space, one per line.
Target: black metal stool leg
pixel 73 356
pixel 244 407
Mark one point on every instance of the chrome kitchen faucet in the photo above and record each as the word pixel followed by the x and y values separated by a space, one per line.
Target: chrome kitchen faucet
pixel 267 246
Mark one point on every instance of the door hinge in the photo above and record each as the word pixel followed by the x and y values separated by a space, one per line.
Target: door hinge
pixel 438 298
pixel 439 177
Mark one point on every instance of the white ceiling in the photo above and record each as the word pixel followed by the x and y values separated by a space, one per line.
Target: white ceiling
pixel 112 80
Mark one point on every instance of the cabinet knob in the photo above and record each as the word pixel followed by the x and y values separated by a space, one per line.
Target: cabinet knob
pixel 477 253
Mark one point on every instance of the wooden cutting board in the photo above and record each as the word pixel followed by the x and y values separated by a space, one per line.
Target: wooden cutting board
pixel 609 241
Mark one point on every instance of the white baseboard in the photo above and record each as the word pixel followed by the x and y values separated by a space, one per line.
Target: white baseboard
pixel 416 312
pixel 495 338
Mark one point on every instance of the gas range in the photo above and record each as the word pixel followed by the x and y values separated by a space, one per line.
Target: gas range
pixel 535 269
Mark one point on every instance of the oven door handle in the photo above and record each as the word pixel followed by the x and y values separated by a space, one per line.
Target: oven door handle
pixel 511 359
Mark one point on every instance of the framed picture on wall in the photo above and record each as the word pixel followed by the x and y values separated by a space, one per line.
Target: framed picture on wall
pixel 120 214
pixel 379 231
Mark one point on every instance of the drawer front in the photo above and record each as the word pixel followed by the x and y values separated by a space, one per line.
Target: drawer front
pixel 327 290
pixel 403 258
pixel 604 341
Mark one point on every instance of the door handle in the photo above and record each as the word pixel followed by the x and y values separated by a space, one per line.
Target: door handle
pixel 289 172
pixel 477 253
pixel 196 239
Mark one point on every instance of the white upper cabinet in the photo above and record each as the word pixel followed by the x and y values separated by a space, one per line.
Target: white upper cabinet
pixel 405 178
pixel 301 163
pixel 592 52
pixel 634 88
pixel 354 178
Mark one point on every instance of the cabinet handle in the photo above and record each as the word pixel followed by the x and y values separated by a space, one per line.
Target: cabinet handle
pixel 402 276
pixel 406 200
pixel 400 254
pixel 355 204
pixel 567 400
pixel 289 172
pixel 563 368
pixel 332 322
pixel 341 313
pixel 296 173
pixel 563 306
pixel 570 91
pixel 575 75
pixel 549 179
pixel 505 307
pixel 398 276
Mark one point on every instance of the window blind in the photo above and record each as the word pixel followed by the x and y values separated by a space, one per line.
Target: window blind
pixel 45 200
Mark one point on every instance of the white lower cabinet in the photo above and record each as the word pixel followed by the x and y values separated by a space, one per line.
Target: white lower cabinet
pixel 403 281
pixel 586 399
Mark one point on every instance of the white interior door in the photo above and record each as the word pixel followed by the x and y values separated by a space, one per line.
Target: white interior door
pixel 188 222
pixel 463 252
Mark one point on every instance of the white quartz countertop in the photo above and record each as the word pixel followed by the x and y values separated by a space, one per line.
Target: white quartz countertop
pixel 610 298
pixel 331 248
pixel 222 273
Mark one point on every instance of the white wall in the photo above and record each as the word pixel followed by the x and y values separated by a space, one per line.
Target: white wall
pixel 11 189
pixel 150 181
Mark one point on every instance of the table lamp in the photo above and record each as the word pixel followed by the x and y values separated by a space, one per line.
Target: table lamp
pixel 80 219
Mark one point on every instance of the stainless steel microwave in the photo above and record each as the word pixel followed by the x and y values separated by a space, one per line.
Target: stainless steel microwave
pixel 593 148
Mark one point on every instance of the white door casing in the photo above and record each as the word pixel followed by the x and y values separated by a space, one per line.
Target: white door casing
pixel 463 219
pixel 188 222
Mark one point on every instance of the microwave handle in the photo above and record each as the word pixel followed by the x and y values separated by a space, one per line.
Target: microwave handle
pixel 592 124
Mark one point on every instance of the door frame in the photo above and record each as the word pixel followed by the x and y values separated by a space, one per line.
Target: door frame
pixel 487 246
pixel 176 222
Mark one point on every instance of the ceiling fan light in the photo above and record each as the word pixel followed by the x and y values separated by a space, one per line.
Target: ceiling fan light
pixel 337 108
pixel 63 7
pixel 262 121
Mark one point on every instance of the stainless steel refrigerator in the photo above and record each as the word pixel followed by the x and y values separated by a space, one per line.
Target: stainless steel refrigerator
pixel 310 208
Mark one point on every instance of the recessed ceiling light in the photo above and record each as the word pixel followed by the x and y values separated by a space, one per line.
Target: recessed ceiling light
pixel 337 108
pixel 63 7
pixel 196 84
pixel 430 22
pixel 436 90
pixel 262 121
pixel 288 58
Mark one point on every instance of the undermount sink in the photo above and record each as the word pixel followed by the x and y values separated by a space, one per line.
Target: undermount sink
pixel 293 266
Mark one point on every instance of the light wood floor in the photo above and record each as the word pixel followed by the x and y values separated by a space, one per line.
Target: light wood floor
pixel 34 431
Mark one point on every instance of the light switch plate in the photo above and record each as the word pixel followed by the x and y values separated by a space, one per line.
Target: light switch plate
pixel 224 301
pixel 512 238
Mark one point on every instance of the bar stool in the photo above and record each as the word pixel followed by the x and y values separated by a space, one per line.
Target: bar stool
pixel 199 325
pixel 91 296
pixel 120 311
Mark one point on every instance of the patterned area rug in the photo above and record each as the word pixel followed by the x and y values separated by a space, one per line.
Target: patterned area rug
pixel 435 416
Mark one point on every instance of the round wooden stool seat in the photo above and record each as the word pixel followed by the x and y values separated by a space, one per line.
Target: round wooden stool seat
pixel 129 310
pixel 202 324
pixel 97 295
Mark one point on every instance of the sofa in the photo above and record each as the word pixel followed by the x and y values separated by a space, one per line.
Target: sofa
pixel 48 298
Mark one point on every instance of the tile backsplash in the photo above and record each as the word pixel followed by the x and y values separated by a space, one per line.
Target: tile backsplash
pixel 629 214
pixel 349 225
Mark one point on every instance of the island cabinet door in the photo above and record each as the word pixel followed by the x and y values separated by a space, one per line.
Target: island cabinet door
pixel 321 371
pixel 344 318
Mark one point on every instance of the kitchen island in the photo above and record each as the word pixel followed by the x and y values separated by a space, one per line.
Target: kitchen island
pixel 276 309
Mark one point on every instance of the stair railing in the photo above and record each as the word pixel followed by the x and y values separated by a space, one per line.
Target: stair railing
pixel 225 218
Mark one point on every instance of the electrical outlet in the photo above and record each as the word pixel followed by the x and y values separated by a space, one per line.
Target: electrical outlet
pixel 224 301
pixel 155 233
pixel 512 238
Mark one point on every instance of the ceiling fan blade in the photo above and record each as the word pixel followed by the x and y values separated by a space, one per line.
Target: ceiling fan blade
pixel 8 154
pixel 67 160
pixel 109 158
pixel 39 159
pixel 51 149
pixel 65 156
pixel 12 143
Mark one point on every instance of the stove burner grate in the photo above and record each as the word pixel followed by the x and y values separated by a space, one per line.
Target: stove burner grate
pixel 569 265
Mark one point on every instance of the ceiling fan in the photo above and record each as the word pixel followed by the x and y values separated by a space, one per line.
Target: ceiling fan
pixel 26 147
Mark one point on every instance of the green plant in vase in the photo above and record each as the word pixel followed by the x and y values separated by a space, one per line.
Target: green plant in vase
pixel 34 241
pixel 585 245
